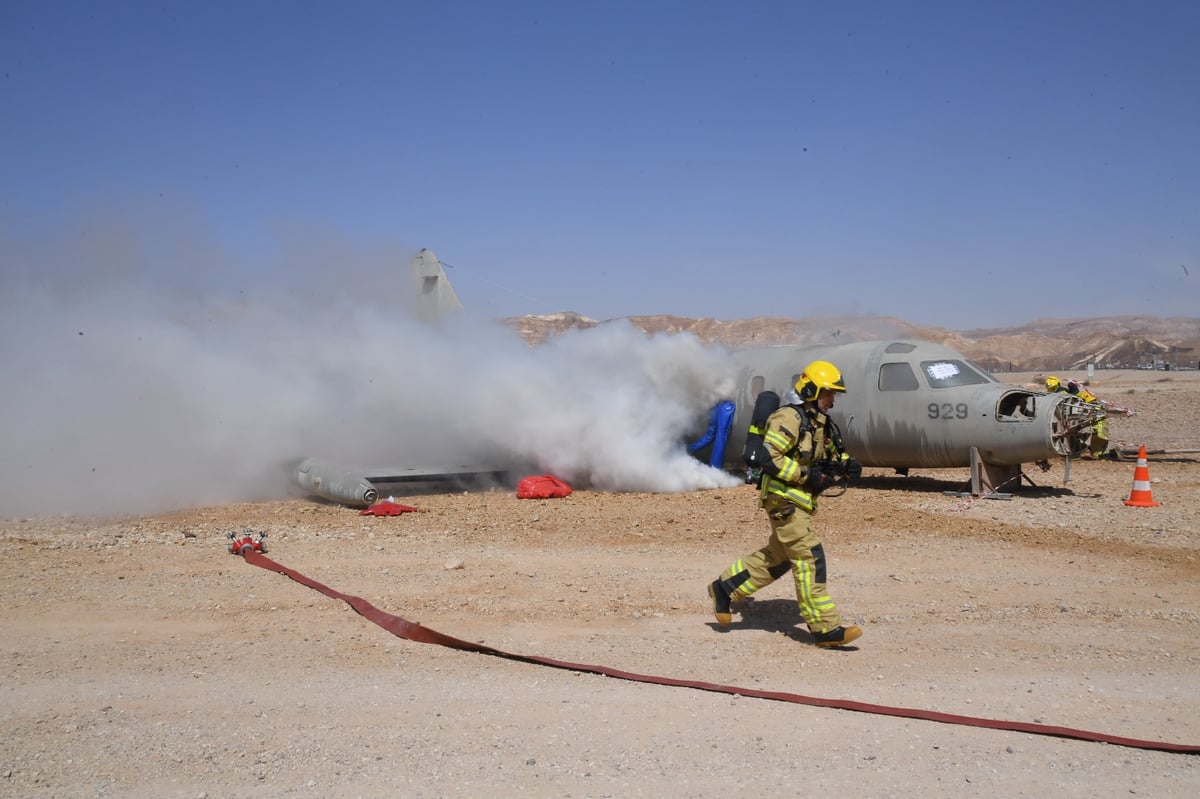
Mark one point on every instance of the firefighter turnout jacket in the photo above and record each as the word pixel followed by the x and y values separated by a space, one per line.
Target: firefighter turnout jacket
pixel 794 439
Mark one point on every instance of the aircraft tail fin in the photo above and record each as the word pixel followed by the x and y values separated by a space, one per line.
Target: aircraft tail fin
pixel 435 296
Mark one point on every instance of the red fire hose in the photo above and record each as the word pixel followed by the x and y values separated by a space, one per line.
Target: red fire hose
pixel 412 631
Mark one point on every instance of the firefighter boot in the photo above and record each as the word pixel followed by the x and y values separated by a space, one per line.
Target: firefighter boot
pixel 720 600
pixel 838 637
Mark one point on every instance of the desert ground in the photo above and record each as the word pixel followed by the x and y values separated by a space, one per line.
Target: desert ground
pixel 140 658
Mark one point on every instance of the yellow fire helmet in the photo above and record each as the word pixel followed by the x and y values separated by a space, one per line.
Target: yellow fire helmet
pixel 1052 383
pixel 816 376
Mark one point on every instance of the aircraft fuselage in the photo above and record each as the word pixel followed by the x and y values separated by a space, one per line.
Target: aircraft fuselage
pixel 916 404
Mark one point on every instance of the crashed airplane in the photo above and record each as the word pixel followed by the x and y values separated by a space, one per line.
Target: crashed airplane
pixel 435 299
pixel 915 404
pixel 909 405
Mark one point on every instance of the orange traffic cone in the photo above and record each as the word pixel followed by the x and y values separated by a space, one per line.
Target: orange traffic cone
pixel 1140 495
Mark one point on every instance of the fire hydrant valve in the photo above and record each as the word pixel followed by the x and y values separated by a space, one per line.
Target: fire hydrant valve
pixel 247 541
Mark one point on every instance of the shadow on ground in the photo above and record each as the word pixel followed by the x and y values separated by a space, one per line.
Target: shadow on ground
pixel 773 616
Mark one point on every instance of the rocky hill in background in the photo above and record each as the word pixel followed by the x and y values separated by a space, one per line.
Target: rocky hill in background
pixel 1118 342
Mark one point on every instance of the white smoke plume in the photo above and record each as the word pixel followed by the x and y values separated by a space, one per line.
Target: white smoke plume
pixel 127 393
pixel 608 407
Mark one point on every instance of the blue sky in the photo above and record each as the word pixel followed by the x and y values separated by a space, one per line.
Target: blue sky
pixel 957 164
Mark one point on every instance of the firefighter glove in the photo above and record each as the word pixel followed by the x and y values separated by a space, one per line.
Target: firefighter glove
pixel 817 479
pixel 853 469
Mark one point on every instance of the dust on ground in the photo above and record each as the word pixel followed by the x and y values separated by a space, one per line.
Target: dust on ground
pixel 141 659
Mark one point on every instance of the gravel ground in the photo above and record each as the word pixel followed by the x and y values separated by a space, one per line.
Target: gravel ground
pixel 139 658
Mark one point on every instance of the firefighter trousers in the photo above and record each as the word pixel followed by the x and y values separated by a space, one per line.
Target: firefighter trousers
pixel 793 546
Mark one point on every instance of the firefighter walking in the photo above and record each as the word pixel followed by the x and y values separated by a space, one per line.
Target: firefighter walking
pixel 797 466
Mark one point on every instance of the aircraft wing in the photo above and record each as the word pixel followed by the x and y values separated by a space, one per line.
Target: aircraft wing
pixel 358 487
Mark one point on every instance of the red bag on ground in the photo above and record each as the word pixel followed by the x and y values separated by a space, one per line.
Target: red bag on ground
pixel 387 508
pixel 542 486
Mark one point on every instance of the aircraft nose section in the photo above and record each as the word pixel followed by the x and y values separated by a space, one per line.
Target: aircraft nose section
pixel 1071 422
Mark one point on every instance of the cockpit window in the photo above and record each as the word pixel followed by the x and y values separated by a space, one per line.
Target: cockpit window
pixel 897 377
pixel 947 373
pixel 986 373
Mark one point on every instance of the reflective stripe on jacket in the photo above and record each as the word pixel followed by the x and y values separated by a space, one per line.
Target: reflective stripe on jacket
pixel 792 445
